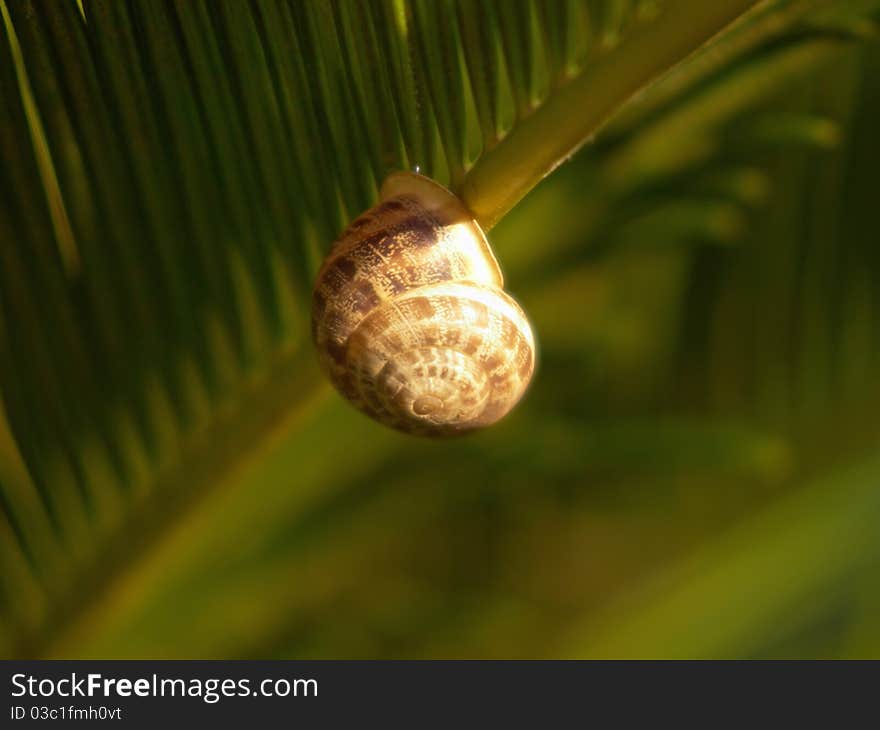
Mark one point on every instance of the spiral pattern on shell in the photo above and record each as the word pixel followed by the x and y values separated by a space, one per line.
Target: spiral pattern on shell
pixel 410 318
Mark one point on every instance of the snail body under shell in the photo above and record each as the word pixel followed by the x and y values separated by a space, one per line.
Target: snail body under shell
pixel 410 318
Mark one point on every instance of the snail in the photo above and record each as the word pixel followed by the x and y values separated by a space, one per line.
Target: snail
pixel 410 318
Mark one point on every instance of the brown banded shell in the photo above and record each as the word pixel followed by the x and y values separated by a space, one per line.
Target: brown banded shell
pixel 410 318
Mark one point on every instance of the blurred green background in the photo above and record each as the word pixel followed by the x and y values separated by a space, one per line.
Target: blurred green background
pixel 694 471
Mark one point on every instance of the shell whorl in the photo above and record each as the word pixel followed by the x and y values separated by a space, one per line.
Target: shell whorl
pixel 410 318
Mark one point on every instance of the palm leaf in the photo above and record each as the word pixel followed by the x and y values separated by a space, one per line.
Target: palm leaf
pixel 176 170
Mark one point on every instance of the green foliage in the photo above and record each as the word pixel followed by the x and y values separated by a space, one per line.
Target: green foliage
pixel 691 473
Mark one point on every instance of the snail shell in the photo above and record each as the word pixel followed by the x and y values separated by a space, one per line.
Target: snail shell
pixel 410 318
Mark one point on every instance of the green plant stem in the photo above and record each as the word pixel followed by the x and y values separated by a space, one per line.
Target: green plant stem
pixel 570 117
pixel 236 439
